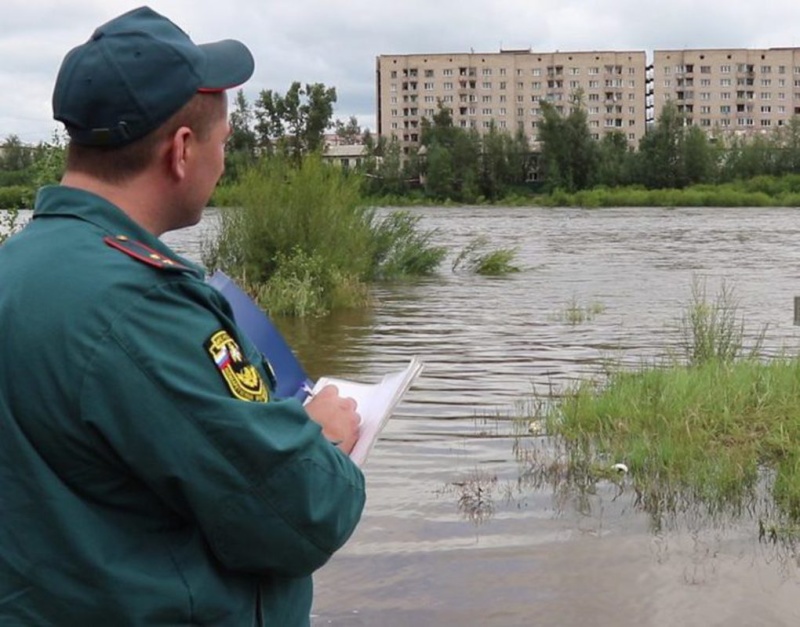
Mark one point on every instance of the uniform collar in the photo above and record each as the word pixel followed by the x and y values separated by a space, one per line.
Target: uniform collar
pixel 63 201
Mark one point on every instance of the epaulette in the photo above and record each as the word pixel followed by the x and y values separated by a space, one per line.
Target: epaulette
pixel 145 254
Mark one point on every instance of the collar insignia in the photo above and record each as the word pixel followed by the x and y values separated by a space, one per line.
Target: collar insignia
pixel 241 377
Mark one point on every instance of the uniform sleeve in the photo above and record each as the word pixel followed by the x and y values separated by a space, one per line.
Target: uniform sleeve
pixel 268 491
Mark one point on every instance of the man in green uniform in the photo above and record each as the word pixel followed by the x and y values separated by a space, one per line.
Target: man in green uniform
pixel 147 475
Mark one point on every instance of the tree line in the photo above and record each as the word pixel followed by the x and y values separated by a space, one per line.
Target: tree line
pixel 461 164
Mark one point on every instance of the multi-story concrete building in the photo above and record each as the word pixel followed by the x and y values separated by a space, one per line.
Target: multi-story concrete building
pixel 736 90
pixel 506 89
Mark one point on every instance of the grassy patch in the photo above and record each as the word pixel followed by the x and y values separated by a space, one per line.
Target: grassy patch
pixel 714 432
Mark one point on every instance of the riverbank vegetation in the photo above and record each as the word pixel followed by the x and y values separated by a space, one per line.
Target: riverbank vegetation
pixel 301 239
pixel 713 429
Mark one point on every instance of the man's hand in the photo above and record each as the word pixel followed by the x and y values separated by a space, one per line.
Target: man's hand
pixel 336 415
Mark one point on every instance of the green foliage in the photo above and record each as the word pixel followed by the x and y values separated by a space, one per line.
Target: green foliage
pixel 570 155
pixel 401 249
pixel 49 160
pixel 294 124
pixel 475 259
pixel 711 331
pixel 304 230
pixel 700 433
pixel 8 223
pixel 737 194
pixel 16 197
pixel 312 208
pixel 305 285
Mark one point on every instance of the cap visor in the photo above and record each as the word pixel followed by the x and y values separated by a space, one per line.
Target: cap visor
pixel 228 64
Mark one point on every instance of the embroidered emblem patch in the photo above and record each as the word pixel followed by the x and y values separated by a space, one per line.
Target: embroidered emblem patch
pixel 240 375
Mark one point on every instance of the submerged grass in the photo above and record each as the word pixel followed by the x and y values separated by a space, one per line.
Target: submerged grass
pixel 711 432
pixel 476 259
pixel 575 313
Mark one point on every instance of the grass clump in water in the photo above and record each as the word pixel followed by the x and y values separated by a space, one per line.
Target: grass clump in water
pixel 475 259
pixel 575 313
pixel 709 434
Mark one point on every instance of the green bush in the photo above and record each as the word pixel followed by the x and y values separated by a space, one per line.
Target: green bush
pixel 306 230
pixel 16 197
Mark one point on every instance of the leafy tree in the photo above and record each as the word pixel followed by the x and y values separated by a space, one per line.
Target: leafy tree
pixel 614 160
pixel 295 123
pixel 660 160
pixel 700 160
pixel 243 137
pixel 242 143
pixel 569 154
pixel 349 133
pixel 14 155
pixel 49 160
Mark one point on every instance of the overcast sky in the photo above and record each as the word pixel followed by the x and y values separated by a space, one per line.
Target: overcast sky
pixel 336 42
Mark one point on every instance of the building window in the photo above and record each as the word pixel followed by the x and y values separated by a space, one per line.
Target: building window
pixel 725 69
pixel 447 72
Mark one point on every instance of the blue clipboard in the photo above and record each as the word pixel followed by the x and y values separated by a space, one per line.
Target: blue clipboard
pixel 291 379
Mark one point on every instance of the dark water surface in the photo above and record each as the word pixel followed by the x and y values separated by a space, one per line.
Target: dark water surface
pixel 449 535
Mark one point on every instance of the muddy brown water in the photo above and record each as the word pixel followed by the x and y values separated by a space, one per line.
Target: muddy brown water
pixel 450 536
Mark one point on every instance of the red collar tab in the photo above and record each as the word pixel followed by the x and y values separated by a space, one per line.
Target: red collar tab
pixel 145 254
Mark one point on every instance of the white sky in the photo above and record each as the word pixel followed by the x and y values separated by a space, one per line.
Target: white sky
pixel 336 42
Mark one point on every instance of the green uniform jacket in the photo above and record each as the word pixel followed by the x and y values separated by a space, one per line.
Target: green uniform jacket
pixel 137 487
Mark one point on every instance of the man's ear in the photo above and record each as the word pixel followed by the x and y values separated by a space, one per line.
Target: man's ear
pixel 180 152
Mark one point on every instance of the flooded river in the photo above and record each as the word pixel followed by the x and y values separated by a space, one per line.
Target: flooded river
pixel 449 535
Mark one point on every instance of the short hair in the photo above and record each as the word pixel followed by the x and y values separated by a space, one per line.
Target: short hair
pixel 116 164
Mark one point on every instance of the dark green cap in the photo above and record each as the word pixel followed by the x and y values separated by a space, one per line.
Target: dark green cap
pixel 134 73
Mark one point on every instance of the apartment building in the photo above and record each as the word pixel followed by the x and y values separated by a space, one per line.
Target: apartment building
pixel 734 90
pixel 506 89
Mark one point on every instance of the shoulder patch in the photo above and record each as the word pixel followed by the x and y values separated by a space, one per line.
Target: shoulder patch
pixel 145 254
pixel 241 377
